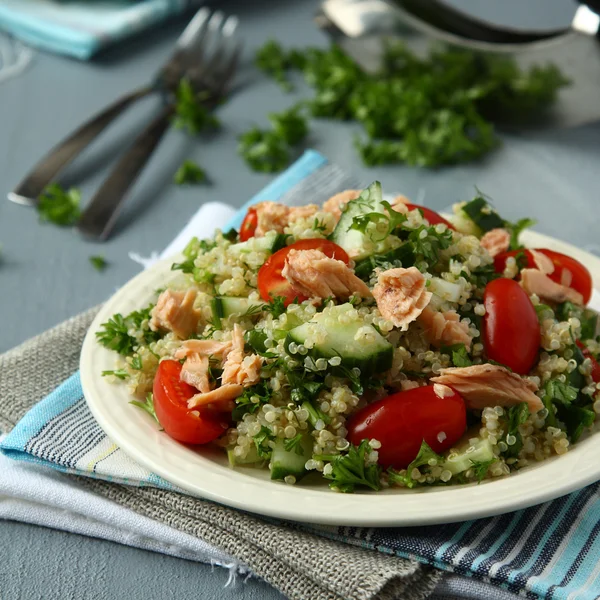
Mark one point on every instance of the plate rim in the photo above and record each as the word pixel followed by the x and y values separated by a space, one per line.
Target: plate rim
pixel 321 505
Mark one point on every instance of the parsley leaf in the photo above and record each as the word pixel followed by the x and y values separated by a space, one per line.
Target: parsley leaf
pixel 261 441
pixel 430 245
pixel 459 355
pixel 189 172
pixel 245 403
pixel 561 392
pixel 290 125
pixel 59 206
pixel 294 444
pixel 98 262
pixel 190 112
pixel 315 414
pixel 516 415
pixel 136 363
pixel 119 373
pixel 349 470
pixel 264 151
pixel 480 468
pixel 276 307
pixel 516 229
pixel 273 60
pixel 147 405
pixel 423 458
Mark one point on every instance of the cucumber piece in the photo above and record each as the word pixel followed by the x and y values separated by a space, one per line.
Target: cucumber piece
pixel 270 242
pixel 290 462
pixel 368 349
pixel 252 459
pixel 446 290
pixel 482 214
pixel 226 306
pixel 462 461
pixel 357 244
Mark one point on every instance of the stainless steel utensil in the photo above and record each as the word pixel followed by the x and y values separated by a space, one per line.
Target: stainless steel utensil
pixel 216 58
pixel 362 27
pixel 165 82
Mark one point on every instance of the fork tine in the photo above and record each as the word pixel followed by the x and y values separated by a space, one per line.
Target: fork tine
pixel 229 70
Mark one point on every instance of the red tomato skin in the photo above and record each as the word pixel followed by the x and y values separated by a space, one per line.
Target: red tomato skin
pixel 272 283
pixel 433 217
pixel 511 330
pixel 581 278
pixel 170 404
pixel 595 374
pixel 249 225
pixel 402 421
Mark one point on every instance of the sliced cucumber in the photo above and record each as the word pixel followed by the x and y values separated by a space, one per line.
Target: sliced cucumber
pixel 226 306
pixel 252 459
pixel 446 290
pixel 355 342
pixel 270 242
pixel 464 460
pixel 482 214
pixel 357 244
pixel 290 462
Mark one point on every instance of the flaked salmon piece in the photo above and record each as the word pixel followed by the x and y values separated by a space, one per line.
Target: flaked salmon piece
pixel 336 203
pixel 174 311
pixel 534 281
pixel 240 369
pixel 542 262
pixel 195 372
pixel 401 295
pixel 444 328
pixel 490 385
pixel 399 203
pixel 496 241
pixel 271 216
pixel 225 393
pixel 203 348
pixel 315 275
pixel 302 212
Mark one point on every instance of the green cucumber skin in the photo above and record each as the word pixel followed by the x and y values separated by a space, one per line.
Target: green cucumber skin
pixel 284 463
pixel 482 453
pixel 252 460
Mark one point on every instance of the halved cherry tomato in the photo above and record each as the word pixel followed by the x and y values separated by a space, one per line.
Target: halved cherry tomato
pixel 249 225
pixel 511 330
pixel 578 276
pixel 402 421
pixel 271 283
pixel 198 426
pixel 595 374
pixel 430 215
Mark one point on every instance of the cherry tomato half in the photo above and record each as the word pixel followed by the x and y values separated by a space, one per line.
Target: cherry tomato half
pixel 595 374
pixel 430 215
pixel 249 225
pixel 402 421
pixel 511 330
pixel 198 426
pixel 272 283
pixel 578 276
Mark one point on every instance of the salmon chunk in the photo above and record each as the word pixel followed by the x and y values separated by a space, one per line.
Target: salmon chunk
pixel 444 328
pixel 399 204
pixel 542 262
pixel 239 369
pixel 203 347
pixel 302 212
pixel 336 203
pixel 534 281
pixel 271 216
pixel 401 296
pixel 174 311
pixel 195 372
pixel 315 275
pixel 496 241
pixel 490 385
pixel 225 393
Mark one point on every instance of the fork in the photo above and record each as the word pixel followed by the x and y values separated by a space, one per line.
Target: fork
pixel 210 78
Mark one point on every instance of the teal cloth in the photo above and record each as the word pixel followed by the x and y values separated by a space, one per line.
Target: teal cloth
pixel 80 29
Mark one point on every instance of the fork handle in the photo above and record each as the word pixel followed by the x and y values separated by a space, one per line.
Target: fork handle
pixel 100 215
pixel 29 190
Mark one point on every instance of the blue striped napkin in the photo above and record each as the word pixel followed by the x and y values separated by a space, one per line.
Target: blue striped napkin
pixel 84 27
pixel 548 551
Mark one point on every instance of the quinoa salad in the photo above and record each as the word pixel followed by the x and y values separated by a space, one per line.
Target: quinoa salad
pixel 374 344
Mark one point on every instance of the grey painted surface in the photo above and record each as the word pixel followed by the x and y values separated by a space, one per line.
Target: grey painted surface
pixel 45 275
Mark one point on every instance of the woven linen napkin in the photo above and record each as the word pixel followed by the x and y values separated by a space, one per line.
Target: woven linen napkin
pixel 84 27
pixel 546 551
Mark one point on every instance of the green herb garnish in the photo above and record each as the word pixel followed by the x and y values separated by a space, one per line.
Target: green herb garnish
pixel 189 172
pixel 59 206
pixel 290 125
pixel 264 151
pixel 147 405
pixel 293 444
pixel 119 373
pixel 98 262
pixel 191 113
pixel 261 441
pixel 459 355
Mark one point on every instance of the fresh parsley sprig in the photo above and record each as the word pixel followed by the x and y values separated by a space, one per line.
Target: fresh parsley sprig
pixel 59 206
pixel 189 173
pixel 147 405
pixel 191 113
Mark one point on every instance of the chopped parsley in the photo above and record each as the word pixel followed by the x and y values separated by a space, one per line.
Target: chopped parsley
pixel 189 172
pixel 315 414
pixel 349 470
pixel 425 457
pixel 516 415
pixel 458 354
pixel 293 444
pixel 290 125
pixel 147 405
pixel 276 307
pixel 261 441
pixel 480 468
pixel 59 206
pixel 98 262
pixel 118 373
pixel 430 245
pixel 273 60
pixel 190 112
pixel 319 226
pixel 516 229
pixel 244 403
pixel 136 363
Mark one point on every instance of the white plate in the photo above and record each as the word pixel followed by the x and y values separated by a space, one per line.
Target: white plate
pixel 205 473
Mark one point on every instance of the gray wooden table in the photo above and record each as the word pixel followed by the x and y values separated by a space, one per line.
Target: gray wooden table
pixel 45 275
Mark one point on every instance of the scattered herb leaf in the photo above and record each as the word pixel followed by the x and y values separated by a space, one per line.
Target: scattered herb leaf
pixel 59 206
pixel 189 172
pixel 147 405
